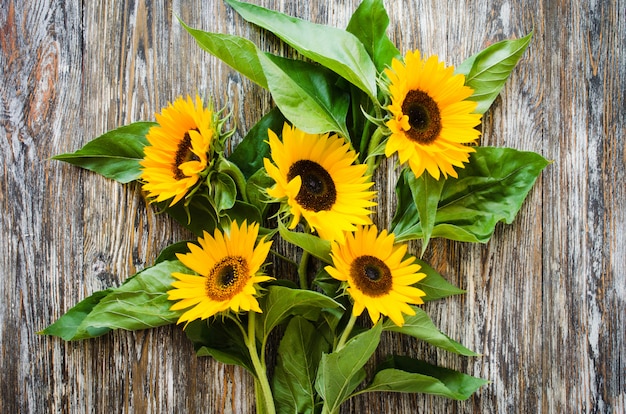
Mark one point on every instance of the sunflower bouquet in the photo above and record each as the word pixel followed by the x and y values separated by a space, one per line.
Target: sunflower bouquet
pixel 304 174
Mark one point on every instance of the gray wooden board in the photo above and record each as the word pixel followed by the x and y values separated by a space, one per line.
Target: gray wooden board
pixel 545 297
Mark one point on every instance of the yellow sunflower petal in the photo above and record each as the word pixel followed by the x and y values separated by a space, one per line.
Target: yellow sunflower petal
pixel 178 150
pixel 429 87
pixel 375 274
pixel 317 180
pixel 228 278
pixel 358 308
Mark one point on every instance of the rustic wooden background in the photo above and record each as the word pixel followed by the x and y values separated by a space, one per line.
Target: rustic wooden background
pixel 545 297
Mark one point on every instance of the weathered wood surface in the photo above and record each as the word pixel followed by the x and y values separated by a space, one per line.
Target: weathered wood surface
pixel 545 297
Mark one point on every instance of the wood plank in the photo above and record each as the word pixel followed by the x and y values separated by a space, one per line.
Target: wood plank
pixel 545 297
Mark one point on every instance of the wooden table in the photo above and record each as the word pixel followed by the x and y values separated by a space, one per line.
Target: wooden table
pixel 545 297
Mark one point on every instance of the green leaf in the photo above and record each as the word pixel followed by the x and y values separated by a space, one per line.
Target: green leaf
pixel 306 94
pixel 67 325
pixel 241 211
pixel 405 221
pixel 332 318
pixel 434 285
pixel 299 354
pixel 115 155
pixel 333 48
pixel 360 131
pixel 197 216
pixel 340 372
pixel 140 303
pixel 426 192
pixel 404 374
pixel 420 326
pixel 312 244
pixel 487 71
pixel 282 302
pixel 223 191
pixel 237 52
pixel 249 153
pixel 369 24
pixel 169 253
pixel 224 166
pixel 328 284
pixel 490 189
pixel 220 338
pixel 256 190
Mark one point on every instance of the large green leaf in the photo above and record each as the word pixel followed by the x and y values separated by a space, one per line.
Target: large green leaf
pixel 235 51
pixel 312 244
pixel 67 326
pixel 307 94
pixel 369 24
pixel 421 327
pixel 140 303
pixel 282 302
pixel 404 374
pixel 115 155
pixel 490 189
pixel 488 70
pixel 249 153
pixel 333 48
pixel 340 372
pixel 434 285
pixel 299 354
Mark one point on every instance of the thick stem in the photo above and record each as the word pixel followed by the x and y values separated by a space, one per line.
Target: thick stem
pixel 259 367
pixel 374 142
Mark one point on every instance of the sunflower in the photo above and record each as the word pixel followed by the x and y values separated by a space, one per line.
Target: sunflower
pixel 228 269
pixel 179 149
pixel 316 177
pixel 432 120
pixel 377 275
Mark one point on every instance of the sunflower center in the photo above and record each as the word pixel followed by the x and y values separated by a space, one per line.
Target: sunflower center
pixel 371 275
pixel 424 117
pixel 227 278
pixel 183 154
pixel 317 191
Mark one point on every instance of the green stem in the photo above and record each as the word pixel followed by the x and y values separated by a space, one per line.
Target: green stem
pixel 259 368
pixel 364 140
pixel 302 270
pixel 346 332
pixel 374 142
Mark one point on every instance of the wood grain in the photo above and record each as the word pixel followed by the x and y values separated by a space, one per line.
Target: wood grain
pixel 545 297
